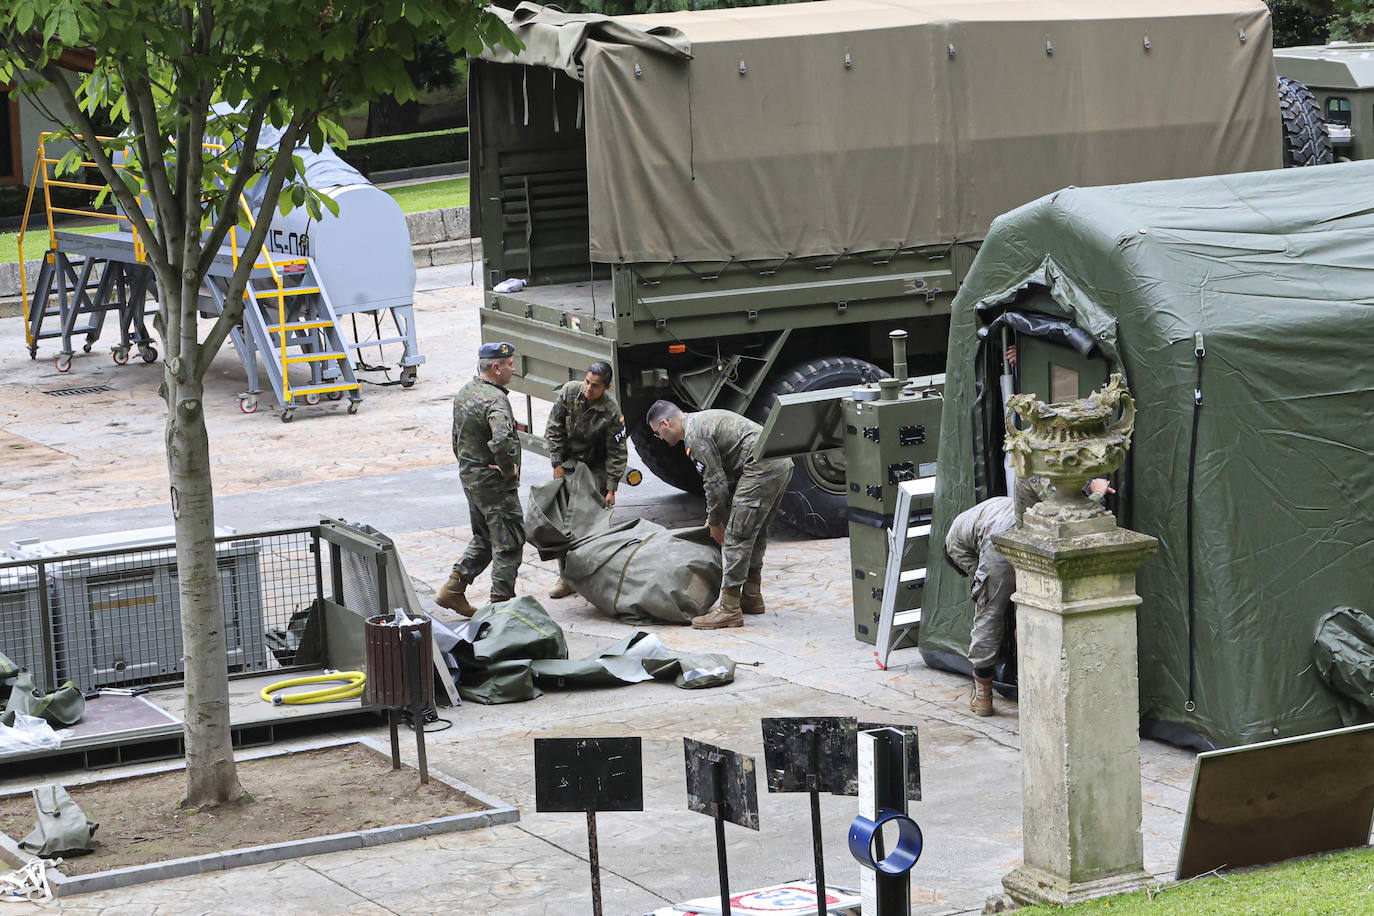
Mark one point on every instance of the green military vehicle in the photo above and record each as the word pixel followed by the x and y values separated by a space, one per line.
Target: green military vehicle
pixel 1340 78
pixel 729 205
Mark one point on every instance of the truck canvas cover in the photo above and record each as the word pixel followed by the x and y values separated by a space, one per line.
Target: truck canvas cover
pixel 843 126
pixel 1276 270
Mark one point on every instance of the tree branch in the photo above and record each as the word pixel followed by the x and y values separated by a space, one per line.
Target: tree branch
pixel 233 303
pixel 247 168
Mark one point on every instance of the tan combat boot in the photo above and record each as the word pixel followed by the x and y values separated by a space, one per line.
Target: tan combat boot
pixel 560 589
pixel 981 704
pixel 451 595
pixel 751 599
pixel 727 614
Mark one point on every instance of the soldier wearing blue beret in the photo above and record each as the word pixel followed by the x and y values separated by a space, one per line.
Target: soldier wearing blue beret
pixel 488 451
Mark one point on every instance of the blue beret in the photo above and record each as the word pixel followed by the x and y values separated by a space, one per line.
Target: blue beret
pixel 495 350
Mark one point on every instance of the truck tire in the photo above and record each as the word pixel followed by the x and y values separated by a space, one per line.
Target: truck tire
pixel 669 464
pixel 815 499
pixel 1305 141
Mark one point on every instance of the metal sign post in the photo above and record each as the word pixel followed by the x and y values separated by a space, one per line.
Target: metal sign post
pixel 812 754
pixel 722 784
pixel 591 775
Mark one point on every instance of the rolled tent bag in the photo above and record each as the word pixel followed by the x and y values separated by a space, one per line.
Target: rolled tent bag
pixel 646 573
pixel 636 571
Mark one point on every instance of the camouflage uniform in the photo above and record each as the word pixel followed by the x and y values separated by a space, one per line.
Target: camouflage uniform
pixel 741 494
pixel 968 544
pixel 592 432
pixel 484 434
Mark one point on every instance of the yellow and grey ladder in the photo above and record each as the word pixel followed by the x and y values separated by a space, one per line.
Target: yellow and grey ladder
pixel 287 319
pixel 908 553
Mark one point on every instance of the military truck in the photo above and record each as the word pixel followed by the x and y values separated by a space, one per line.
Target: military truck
pixel 728 205
pixel 1339 77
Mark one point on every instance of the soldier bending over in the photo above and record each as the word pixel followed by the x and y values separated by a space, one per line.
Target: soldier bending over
pixel 742 499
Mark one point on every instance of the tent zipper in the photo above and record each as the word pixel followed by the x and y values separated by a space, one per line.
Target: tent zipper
pixel 1199 351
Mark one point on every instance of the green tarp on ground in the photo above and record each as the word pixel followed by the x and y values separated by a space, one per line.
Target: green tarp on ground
pixel 1276 270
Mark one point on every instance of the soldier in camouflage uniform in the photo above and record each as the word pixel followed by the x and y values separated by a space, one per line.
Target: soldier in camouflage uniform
pixel 970 550
pixel 488 452
pixel 742 499
pixel 586 425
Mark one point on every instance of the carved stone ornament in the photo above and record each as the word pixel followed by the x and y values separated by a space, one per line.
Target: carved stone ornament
pixel 1068 444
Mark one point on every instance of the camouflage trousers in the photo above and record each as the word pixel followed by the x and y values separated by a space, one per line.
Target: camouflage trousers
pixel 498 538
pixel 994 580
pixel 757 499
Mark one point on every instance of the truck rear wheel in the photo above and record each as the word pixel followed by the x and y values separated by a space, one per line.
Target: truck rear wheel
pixel 815 500
pixel 665 462
pixel 1305 141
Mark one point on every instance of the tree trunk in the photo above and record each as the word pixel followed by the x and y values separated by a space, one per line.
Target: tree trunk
pixel 211 777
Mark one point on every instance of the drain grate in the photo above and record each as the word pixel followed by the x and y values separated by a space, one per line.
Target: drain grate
pixel 81 389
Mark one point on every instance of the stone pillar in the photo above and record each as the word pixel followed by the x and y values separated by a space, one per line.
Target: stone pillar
pixel 1079 708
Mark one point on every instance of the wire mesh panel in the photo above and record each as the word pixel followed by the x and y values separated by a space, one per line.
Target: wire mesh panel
pixel 22 621
pixel 112 617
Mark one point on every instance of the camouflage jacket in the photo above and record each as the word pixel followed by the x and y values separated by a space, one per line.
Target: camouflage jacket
pixel 720 444
pixel 592 432
pixel 484 434
pixel 972 530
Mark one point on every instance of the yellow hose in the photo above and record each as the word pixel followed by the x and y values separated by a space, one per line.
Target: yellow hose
pixel 353 687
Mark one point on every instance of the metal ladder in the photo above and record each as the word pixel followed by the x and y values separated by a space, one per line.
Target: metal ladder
pixel 287 319
pixel 913 497
pixel 65 291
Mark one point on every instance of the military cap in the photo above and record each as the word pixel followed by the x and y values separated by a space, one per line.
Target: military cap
pixel 495 350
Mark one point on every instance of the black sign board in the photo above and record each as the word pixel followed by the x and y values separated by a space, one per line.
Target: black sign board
pixel 824 747
pixel 733 795
pixel 913 755
pixel 588 774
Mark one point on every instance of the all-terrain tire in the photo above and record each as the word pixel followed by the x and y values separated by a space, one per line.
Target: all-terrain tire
pixel 1305 141
pixel 669 464
pixel 815 499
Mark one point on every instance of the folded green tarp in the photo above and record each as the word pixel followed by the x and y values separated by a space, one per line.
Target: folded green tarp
pixel 636 571
pixel 510 650
pixel 64 706
pixel 1273 273
pixel 1344 653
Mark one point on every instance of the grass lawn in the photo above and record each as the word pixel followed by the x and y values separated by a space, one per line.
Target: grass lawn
pixel 434 195
pixel 451 192
pixel 1341 884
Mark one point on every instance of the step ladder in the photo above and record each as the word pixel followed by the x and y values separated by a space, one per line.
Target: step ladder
pixel 287 319
pixel 78 291
pixel 910 533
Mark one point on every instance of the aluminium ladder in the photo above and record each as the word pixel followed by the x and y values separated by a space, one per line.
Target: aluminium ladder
pixel 915 500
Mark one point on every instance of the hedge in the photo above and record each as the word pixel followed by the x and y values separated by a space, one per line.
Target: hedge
pixel 382 154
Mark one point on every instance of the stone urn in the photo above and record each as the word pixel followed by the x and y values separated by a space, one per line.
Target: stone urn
pixel 1068 444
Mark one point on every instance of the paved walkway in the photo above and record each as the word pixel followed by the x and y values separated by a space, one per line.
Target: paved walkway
pixel 92 463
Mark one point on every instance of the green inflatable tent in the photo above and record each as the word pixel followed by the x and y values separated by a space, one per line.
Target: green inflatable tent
pixel 1258 289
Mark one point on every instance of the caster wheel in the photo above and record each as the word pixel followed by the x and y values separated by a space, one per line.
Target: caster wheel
pixel 86 348
pixel 64 363
pixel 248 405
pixel 312 399
pixel 335 395
pixel 287 414
pixel 353 407
pixel 33 353
pixel 408 375
pixel 120 355
pixel 148 353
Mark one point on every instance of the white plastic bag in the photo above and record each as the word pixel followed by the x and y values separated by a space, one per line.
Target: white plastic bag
pixel 29 733
pixel 513 285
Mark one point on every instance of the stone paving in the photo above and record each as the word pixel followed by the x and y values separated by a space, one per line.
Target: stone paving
pixel 94 463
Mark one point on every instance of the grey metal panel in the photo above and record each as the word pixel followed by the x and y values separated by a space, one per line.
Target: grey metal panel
pixel 803 423
pixel 21 624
